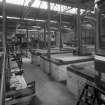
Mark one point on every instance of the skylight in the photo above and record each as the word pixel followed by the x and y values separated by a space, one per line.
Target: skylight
pixel 18 2
pixel 43 5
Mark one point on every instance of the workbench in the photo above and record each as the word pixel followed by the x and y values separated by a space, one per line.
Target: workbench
pixel 19 92
pixel 18 82
pixel 78 75
pixel 57 64
pixel 36 53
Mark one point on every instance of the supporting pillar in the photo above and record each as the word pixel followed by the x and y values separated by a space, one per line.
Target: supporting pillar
pixel 38 39
pixel 57 38
pixel 75 28
pixel 79 31
pixel 44 35
pixel 49 37
pixel 48 28
pixel 27 41
pixel 60 28
pixel 27 34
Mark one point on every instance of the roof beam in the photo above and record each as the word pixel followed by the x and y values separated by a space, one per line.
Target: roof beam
pixel 11 23
pixel 75 3
pixel 15 11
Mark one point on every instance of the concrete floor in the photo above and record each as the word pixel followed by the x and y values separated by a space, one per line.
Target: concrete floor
pixel 48 92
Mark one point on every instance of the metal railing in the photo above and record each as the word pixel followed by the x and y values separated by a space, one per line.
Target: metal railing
pixel 2 87
pixel 3 80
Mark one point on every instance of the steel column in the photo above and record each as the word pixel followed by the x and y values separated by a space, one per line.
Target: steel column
pixel 79 30
pixel 44 35
pixel 60 27
pixel 48 28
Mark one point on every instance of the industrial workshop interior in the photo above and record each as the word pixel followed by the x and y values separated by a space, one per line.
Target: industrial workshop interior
pixel 52 52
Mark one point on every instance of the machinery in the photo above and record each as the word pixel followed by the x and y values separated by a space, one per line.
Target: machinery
pixel 100 43
pixel 94 94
